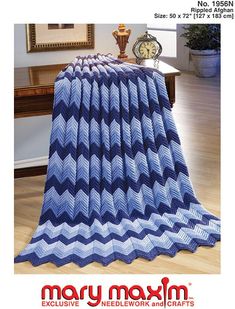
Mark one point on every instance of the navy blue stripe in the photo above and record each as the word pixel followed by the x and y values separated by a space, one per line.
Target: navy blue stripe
pixel 129 233
pixel 67 112
pixel 120 183
pixel 64 151
pixel 105 78
pixel 116 218
pixel 36 261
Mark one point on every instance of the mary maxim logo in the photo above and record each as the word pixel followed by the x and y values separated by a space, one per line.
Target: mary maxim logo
pixel 164 295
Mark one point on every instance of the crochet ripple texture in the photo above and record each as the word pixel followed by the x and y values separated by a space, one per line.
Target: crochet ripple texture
pixel 117 184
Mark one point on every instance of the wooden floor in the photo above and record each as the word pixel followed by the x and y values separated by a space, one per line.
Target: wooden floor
pixel 197 115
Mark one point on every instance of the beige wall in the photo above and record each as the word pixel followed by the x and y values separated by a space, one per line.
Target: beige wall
pixel 104 43
pixel 182 61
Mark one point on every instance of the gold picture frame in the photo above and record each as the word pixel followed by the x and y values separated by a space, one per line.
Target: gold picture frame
pixel 52 37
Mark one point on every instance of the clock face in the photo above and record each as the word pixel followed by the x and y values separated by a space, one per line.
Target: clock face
pixel 148 50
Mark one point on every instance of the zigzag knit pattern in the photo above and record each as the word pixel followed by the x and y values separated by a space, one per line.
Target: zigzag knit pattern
pixel 117 184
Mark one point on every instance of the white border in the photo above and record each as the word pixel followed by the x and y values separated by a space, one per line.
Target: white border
pixel 23 291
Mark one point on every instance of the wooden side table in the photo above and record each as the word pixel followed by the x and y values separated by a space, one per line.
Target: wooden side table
pixel 34 92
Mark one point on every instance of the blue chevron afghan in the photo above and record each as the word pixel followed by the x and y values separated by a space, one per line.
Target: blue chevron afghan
pixel 117 184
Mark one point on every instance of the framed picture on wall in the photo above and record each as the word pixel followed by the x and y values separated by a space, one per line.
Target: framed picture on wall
pixel 49 37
